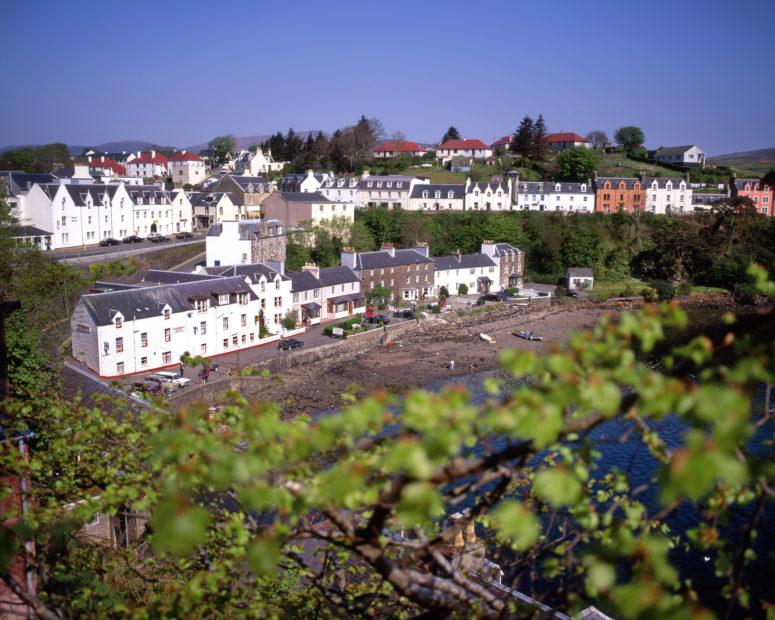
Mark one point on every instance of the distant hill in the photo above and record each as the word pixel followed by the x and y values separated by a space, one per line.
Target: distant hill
pixel 75 149
pixel 248 141
pixel 746 156
pixel 72 148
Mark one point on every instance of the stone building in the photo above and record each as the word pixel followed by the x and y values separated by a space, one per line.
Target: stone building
pixel 245 242
pixel 511 263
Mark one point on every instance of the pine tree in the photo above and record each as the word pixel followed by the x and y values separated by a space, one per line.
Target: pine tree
pixel 452 134
pixel 523 137
pixel 540 147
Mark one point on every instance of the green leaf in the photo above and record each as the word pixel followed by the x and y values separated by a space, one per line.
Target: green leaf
pixel 264 555
pixel 557 486
pixel 517 523
pixel 178 527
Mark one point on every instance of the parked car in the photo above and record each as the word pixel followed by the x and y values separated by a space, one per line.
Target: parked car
pixel 184 235
pixel 109 241
pixel 174 378
pixel 132 239
pixel 156 385
pixel 492 297
pixel 406 313
pixel 379 318
pixel 572 294
pixel 502 296
pixel 157 238
pixel 290 343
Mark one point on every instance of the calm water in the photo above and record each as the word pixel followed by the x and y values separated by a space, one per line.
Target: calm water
pixel 634 458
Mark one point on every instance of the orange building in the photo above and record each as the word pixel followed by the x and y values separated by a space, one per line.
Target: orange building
pixel 614 194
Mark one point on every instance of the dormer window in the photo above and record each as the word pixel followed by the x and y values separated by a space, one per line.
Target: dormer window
pixel 389 184
pixel 368 184
pixel 202 305
pixel 223 298
pixel 167 313
pixel 379 183
pixel 437 194
pixel 425 193
pixel 450 194
pixel 399 184
pixel 119 322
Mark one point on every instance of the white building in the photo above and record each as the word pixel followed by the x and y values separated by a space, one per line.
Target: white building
pixel 154 211
pixel 464 148
pixel 437 197
pixel 308 183
pixel 340 189
pixel 211 207
pixel 146 328
pixel 245 242
pixel 253 164
pixel 398 148
pixel 579 278
pixel 690 155
pixel 478 272
pixel 79 214
pixel 186 168
pixel 386 191
pixel 566 140
pixel 15 185
pixel 148 165
pixel 492 196
pixel 325 294
pixel 296 209
pixel 554 196
pixel 665 195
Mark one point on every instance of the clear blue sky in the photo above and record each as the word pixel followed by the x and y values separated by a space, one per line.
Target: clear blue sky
pixel 180 72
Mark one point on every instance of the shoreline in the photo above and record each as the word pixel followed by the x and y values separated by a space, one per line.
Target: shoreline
pixel 415 358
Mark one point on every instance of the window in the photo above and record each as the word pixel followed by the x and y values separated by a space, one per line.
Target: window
pixel 277 285
pixel 201 305
pixel 225 343
pixel 143 361
pixel 223 298
pixel 119 345
pixel 295 297
pixel 225 322
pixel 244 320
pixel 166 357
pixel 243 338
pixel 120 368
pixel 167 334
pixel 203 348
pixel 167 313
pixel 144 339
pixel 119 322
pixel 234 340
pixel 252 337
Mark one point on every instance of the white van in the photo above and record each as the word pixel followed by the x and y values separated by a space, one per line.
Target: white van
pixel 174 378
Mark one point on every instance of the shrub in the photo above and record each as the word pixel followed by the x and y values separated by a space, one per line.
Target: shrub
pixel 443 292
pixel 745 293
pixel 684 288
pixel 346 325
pixel 291 319
pixel 462 289
pixel 511 291
pixel 627 291
pixel 665 290
pixel 649 294
pixel 436 309
pixel 480 301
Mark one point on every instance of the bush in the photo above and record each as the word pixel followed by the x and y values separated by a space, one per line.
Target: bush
pixel 291 320
pixel 665 290
pixel 627 291
pixel 462 289
pixel 346 325
pixel 649 294
pixel 480 301
pixel 511 291
pixel 684 288
pixel 443 292
pixel 113 268
pixel 745 293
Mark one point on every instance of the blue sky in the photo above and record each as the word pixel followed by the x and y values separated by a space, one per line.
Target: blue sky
pixel 180 72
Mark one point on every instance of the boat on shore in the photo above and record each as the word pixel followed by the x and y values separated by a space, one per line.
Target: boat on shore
pixel 528 335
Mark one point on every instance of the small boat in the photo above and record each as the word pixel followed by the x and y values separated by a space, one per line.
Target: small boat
pixel 526 335
pixel 486 338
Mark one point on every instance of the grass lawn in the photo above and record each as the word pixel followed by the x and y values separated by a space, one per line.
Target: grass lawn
pixel 605 290
pixel 619 165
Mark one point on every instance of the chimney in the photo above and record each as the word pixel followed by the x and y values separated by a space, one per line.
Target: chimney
pixel 313 269
pixel 348 257
pixel 422 248
pixel 388 247
pixel 153 153
pixel 456 255
pixel 365 174
pixel 488 248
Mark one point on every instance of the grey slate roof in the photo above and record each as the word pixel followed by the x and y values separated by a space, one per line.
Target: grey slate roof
pixel 163 276
pixel 579 272
pixel 245 183
pixel 492 185
pixel 458 190
pixel 304 197
pixel 205 199
pixel 707 199
pixel 16 182
pixel 506 249
pixel 385 179
pixel 139 303
pixel 253 270
pixel 552 187
pixel 382 258
pixel 248 229
pixel 27 231
pixel 629 182
pixel 80 193
pixel 340 182
pixel 303 281
pixel 331 276
pixel 146 192
pixel 663 181
pixel 741 183
pixel 463 261
pixel 675 150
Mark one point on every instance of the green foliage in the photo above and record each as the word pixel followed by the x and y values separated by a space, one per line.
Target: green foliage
pixel 291 320
pixel 30 366
pixel 346 325
pixel 443 292
pixel 113 268
pixel 577 164
pixel 36 159
pixel 462 289
pixel 223 146
pixel 629 137
pixel 296 255
pixel 451 134
pixel 379 294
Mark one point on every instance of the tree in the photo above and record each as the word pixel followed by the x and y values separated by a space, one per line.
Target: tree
pixel 522 143
pixel 539 149
pixel 293 145
pixel 462 289
pixel 296 255
pixel 223 146
pixel 443 292
pixel 597 138
pixel 361 238
pixel 577 164
pixel 769 178
pixel 379 295
pixel 580 248
pixel 451 134
pixel 398 136
pixel 629 137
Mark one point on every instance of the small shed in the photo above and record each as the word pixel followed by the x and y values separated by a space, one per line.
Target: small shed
pixel 579 278
pixel 460 163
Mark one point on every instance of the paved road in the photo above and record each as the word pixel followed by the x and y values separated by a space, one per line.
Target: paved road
pixel 123 251
pixel 96 250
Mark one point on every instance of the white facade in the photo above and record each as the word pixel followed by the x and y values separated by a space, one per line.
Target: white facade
pixel 477 271
pixel 155 212
pixel 386 191
pixel 342 189
pixel 554 196
pixel 139 330
pixel 254 164
pixel 187 168
pixel 79 214
pixel 148 165
pixel 682 155
pixel 664 195
pixel 437 197
pixel 475 149
pixel 488 196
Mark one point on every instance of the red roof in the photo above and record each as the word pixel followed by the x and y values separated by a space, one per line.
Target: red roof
pixel 463 144
pixel 184 156
pixel 565 137
pixel 107 164
pixel 146 158
pixel 504 141
pixel 402 146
